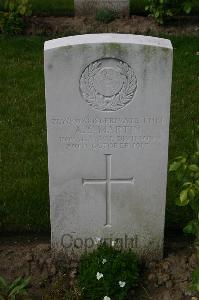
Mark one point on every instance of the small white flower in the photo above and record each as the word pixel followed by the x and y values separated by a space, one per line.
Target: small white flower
pixel 97 240
pixel 122 284
pixel 113 243
pixel 107 298
pixel 99 275
pixel 104 261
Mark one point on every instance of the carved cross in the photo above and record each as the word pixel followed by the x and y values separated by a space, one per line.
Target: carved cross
pixel 108 181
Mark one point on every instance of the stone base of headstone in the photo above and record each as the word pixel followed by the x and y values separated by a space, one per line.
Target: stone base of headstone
pixel 90 7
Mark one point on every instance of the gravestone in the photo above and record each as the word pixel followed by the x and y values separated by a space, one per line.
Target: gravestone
pixel 108 106
pixel 90 7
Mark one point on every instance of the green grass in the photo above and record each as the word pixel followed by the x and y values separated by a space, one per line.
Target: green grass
pixel 24 200
pixel 24 179
pixel 50 7
pixel 184 113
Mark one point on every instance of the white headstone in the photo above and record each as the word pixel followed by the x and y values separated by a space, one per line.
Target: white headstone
pixel 108 105
pixel 90 7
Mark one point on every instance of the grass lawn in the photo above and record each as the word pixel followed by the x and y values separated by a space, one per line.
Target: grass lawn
pixel 53 7
pixel 24 200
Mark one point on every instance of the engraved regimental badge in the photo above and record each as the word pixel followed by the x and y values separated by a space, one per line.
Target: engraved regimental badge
pixel 108 84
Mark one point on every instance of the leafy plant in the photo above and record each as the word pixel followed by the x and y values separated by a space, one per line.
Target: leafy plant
pixel 107 273
pixel 106 15
pixel 15 290
pixel 186 169
pixel 162 10
pixel 12 20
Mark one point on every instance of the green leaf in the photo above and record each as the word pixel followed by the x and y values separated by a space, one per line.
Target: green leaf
pixel 187 184
pixel 179 203
pixel 3 282
pixel 183 195
pixel 191 193
pixel 194 168
pixel 196 175
pixel 15 283
pixel 195 279
pixel 192 227
pixel 19 286
pixel 187 7
pixel 194 203
pixel 22 10
pixel 179 157
pixel 188 229
pixel 174 166
pixel 170 14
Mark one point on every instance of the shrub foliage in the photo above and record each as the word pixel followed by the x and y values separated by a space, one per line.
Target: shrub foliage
pixel 163 10
pixel 108 273
pixel 12 20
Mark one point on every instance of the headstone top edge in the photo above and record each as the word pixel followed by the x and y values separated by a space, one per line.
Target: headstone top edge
pixel 107 38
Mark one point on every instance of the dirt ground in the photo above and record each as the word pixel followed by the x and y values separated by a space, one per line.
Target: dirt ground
pixel 134 24
pixel 168 279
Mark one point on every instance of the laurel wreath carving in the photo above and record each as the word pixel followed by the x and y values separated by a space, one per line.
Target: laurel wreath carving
pixel 108 103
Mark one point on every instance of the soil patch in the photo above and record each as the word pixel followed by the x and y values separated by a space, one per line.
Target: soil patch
pixel 168 279
pixel 134 25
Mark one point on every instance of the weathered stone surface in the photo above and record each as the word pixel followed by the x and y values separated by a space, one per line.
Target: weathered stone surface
pixel 90 7
pixel 108 104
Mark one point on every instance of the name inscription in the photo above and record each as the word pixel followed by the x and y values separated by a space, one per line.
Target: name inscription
pixel 107 133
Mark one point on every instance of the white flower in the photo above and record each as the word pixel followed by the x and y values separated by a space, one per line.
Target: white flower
pixel 97 240
pixel 104 261
pixel 107 298
pixel 99 275
pixel 122 284
pixel 113 243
